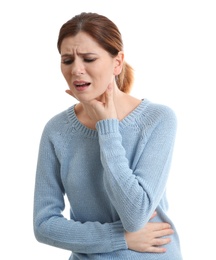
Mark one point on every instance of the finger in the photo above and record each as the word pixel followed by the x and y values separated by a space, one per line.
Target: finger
pixel 69 92
pixel 164 232
pixel 161 241
pixel 155 249
pixel 109 95
pixel 153 215
pixel 157 226
pixel 95 104
pixel 109 102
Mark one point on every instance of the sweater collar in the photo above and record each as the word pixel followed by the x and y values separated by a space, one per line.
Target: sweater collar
pixel 128 120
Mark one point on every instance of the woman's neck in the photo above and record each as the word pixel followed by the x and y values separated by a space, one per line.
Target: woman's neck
pixel 124 104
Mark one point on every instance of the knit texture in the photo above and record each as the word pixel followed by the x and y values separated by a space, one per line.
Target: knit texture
pixel 114 178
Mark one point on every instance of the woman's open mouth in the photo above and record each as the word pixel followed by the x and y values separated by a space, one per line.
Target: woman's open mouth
pixel 81 85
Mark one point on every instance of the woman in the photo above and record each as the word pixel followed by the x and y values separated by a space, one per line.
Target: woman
pixel 109 154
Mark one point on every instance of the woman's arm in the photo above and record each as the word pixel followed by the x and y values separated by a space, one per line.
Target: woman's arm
pixel 136 193
pixel 52 228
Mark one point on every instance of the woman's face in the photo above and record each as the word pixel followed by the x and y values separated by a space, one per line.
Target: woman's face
pixel 87 67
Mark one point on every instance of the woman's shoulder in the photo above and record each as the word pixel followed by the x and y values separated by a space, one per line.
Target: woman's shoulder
pixel 156 112
pixel 159 108
pixel 58 121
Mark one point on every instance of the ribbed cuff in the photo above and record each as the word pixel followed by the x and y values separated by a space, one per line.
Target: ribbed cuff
pixel 107 126
pixel 117 236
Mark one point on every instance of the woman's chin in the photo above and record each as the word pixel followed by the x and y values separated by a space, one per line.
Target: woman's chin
pixel 88 98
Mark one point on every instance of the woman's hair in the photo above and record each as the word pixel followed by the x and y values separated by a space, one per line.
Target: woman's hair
pixel 106 34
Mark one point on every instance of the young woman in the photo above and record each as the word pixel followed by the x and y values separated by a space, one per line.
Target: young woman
pixel 110 155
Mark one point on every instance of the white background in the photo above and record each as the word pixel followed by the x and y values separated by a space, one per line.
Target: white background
pixel 171 46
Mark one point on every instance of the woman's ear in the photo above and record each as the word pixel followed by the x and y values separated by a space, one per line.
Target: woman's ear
pixel 119 60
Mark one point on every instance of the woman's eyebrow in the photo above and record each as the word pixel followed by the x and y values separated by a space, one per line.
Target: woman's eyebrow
pixel 82 54
pixel 66 55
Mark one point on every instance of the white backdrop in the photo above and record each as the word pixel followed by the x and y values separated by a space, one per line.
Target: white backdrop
pixel 171 45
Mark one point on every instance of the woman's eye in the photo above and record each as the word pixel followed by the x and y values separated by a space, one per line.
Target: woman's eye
pixel 89 60
pixel 67 62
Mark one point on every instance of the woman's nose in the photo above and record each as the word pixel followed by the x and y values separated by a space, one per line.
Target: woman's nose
pixel 78 68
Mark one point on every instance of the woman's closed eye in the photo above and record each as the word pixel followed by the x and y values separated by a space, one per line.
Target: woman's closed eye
pixel 70 61
pixel 89 60
pixel 67 61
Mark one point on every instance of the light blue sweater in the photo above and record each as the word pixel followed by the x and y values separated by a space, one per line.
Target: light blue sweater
pixel 114 177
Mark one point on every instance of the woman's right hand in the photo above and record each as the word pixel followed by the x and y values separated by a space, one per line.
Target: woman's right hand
pixel 150 238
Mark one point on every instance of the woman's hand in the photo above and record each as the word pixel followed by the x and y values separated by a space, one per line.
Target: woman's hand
pixel 150 238
pixel 103 108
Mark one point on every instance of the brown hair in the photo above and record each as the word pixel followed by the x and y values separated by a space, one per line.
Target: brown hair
pixel 107 35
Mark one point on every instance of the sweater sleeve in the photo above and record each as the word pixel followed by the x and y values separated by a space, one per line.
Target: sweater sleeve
pixel 50 225
pixel 136 193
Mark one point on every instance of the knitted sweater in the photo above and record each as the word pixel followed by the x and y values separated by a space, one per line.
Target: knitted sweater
pixel 114 178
